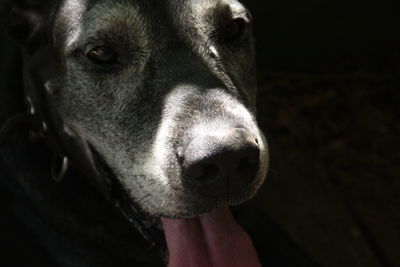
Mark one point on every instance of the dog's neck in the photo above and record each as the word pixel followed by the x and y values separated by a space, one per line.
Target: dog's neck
pixel 71 213
pixel 11 94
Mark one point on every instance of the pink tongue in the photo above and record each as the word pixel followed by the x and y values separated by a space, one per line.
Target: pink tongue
pixel 211 240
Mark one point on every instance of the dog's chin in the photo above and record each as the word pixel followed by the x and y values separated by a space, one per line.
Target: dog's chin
pixel 197 210
pixel 194 205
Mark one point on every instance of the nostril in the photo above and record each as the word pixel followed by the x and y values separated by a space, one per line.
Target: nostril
pixel 204 173
pixel 210 172
pixel 180 155
pixel 248 165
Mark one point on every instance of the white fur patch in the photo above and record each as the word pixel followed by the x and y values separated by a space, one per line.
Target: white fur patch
pixel 72 11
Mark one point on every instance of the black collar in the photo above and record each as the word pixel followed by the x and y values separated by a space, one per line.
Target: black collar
pixel 69 148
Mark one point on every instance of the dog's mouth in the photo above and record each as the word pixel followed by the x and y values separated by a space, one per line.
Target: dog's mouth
pixel 209 239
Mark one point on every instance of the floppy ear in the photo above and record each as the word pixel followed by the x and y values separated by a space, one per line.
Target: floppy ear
pixel 24 22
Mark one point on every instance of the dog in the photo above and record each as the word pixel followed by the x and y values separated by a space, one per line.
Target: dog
pixel 149 107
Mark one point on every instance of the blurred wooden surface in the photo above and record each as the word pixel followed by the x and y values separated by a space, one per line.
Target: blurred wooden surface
pixel 334 183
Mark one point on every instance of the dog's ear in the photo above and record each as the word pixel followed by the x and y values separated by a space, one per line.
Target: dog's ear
pixel 25 21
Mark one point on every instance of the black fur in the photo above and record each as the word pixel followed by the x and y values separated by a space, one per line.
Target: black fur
pixel 75 223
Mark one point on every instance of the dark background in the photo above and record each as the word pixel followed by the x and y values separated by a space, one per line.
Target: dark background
pixel 329 78
pixel 316 35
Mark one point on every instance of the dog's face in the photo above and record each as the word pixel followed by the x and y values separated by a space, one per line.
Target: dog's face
pixel 164 91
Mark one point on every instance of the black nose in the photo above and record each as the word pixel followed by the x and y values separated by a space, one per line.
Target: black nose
pixel 221 163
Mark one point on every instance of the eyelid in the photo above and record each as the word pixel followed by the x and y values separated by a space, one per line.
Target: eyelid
pixel 93 42
pixel 243 15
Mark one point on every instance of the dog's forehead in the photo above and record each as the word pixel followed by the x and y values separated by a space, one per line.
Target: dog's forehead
pixel 78 18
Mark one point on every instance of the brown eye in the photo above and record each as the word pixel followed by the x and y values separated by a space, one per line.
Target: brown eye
pixel 103 55
pixel 236 30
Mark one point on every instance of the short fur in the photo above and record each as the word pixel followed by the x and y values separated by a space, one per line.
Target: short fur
pixel 177 79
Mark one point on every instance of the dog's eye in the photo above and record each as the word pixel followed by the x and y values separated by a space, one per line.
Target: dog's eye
pixel 236 30
pixel 103 55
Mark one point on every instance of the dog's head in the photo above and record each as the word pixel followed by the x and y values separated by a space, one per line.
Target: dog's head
pixel 162 91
